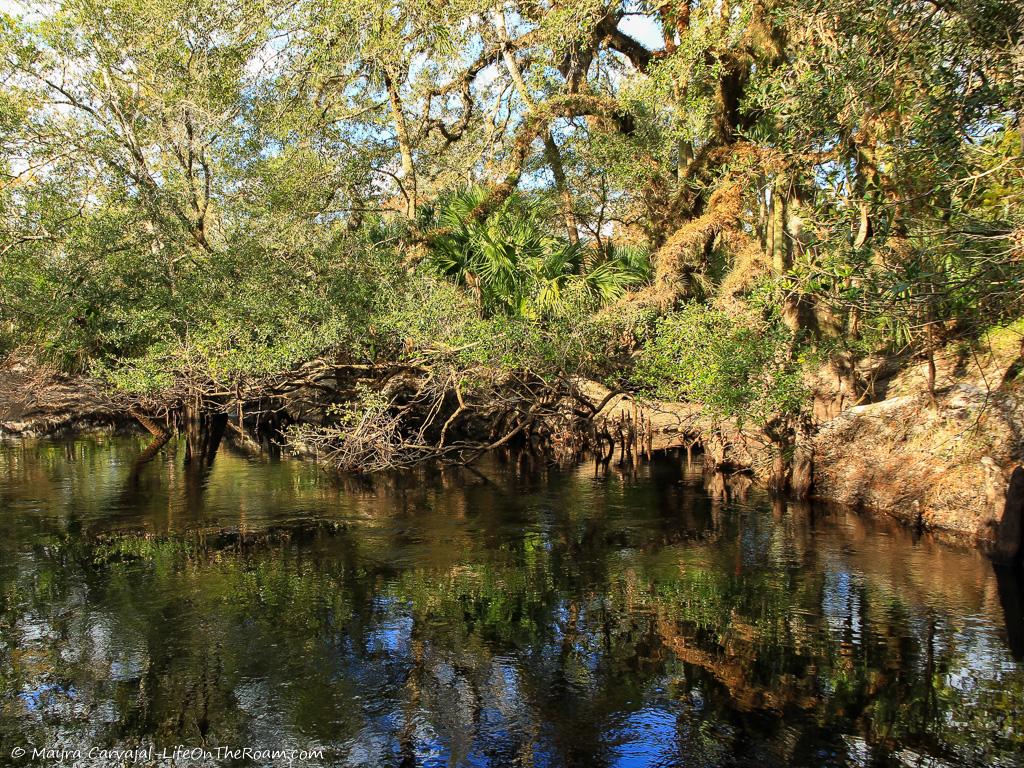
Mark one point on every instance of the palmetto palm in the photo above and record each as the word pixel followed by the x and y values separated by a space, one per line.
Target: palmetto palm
pixel 511 263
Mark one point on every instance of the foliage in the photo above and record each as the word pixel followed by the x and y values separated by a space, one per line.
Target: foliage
pixel 218 196
pixel 739 367
pixel 511 263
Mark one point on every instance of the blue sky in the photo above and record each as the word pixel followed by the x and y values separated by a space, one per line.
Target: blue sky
pixel 641 28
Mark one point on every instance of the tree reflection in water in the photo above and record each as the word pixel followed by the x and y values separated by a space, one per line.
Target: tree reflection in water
pixel 488 617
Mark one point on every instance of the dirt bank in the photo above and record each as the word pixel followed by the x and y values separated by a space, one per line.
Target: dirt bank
pixel 35 400
pixel 952 465
pixel 946 467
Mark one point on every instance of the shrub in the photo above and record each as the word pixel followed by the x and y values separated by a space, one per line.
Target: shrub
pixel 738 367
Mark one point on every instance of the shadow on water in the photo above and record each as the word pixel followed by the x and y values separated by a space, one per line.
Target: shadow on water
pixel 512 614
pixel 1010 579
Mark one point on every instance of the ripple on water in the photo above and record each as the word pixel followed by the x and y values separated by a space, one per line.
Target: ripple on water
pixel 487 618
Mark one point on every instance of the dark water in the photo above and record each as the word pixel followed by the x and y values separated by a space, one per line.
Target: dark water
pixel 503 617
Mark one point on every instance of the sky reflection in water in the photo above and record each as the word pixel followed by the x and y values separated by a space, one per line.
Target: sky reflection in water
pixel 503 616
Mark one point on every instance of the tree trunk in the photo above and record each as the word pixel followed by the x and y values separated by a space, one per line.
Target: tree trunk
pixel 930 373
pixel 777 229
pixel 203 433
pixel 554 157
pixel 802 478
pixel 779 478
pixel 865 180
pixel 404 146
pixel 552 153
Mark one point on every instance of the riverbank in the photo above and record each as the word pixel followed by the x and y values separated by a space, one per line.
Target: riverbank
pixel 951 466
pixel 949 463
pixel 39 401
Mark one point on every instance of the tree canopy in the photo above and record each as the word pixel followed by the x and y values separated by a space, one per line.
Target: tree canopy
pixel 207 197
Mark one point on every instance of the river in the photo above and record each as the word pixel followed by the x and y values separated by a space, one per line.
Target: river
pixel 511 614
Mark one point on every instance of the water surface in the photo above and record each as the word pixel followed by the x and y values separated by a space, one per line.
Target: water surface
pixel 509 615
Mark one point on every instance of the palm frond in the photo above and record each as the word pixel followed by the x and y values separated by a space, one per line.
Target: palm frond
pixel 513 263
